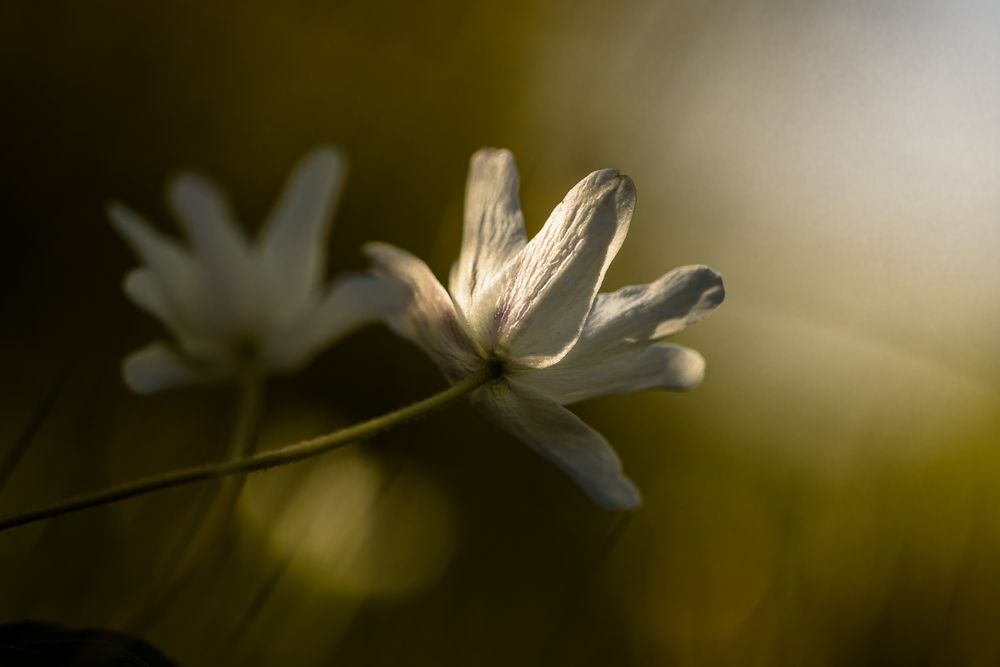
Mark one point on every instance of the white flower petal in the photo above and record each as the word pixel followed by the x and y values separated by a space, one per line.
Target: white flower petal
pixel 351 302
pixel 494 225
pixel 429 319
pixel 226 265
pixel 173 268
pixel 145 291
pixel 646 313
pixel 156 367
pixel 204 212
pixel 537 307
pixel 635 368
pixel 292 246
pixel 562 438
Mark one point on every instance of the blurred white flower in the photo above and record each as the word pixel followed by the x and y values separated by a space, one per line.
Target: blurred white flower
pixel 533 308
pixel 233 304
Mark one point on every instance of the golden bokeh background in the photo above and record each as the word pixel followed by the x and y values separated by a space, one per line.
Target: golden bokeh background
pixel 829 496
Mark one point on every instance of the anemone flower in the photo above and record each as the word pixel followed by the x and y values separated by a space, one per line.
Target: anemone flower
pixel 235 305
pixel 532 311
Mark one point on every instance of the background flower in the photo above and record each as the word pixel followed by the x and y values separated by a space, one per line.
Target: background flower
pixel 234 305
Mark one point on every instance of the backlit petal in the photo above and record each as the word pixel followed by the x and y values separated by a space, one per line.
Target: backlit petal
pixel 635 368
pixel 537 306
pixel 494 225
pixel 562 438
pixel 429 318
pixel 646 313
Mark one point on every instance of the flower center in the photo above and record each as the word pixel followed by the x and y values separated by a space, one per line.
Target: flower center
pixel 496 366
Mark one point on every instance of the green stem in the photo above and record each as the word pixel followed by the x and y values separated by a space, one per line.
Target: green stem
pixel 270 459
pixel 251 396
pixel 213 510
pixel 243 444
pixel 246 427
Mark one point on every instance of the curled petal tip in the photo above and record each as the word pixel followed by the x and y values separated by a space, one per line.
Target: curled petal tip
pixel 602 176
pixel 625 192
pixel 606 184
pixel 720 291
pixel 715 294
pixel 708 283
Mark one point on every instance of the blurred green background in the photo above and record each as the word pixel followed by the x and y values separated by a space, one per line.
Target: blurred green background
pixel 829 496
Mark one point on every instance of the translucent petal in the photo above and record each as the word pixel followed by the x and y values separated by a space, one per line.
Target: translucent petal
pixel 646 313
pixel 494 225
pixel 635 368
pixel 562 438
pixel 536 307
pixel 429 318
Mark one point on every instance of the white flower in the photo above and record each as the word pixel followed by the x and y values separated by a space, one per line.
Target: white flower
pixel 533 309
pixel 233 304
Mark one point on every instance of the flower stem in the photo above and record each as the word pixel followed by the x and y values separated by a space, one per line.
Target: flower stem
pixel 270 459
pixel 247 421
pixel 243 444
pixel 214 508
